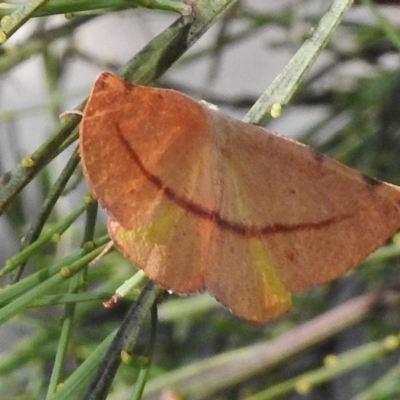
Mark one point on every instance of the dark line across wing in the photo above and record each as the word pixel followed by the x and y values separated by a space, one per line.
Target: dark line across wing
pixel 214 216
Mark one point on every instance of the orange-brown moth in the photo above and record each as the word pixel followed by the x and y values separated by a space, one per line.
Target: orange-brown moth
pixel 201 201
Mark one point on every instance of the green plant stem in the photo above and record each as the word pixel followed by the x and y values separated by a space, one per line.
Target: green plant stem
pixel 204 378
pixel 84 6
pixel 69 311
pixel 43 283
pixel 34 230
pixel 158 56
pixel 369 353
pixel 73 298
pixel 43 240
pixel 23 173
pixel 17 18
pixel 386 387
pixel 286 83
pixel 234 38
pixel 124 340
pixel 64 339
pixel 90 225
pixel 145 369
pixel 37 225
pixel 75 381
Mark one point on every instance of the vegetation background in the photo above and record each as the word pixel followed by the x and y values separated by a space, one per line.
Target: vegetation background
pixel 339 341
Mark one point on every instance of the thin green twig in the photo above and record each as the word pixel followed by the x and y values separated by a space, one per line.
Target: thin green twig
pixel 29 167
pixel 37 225
pixel 74 383
pixel 69 310
pixel 369 353
pixel 148 356
pixel 97 6
pixel 158 56
pixel 11 23
pixel 47 237
pixel 284 86
pixel 44 282
pixel 385 387
pixel 124 340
